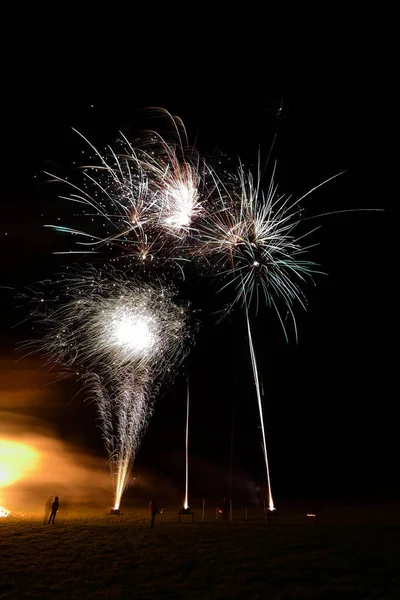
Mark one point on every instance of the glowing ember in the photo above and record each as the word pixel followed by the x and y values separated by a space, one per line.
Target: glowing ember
pixel 4 512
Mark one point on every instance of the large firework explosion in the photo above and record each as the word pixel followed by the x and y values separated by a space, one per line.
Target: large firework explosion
pixel 252 241
pixel 155 206
pixel 125 338
pixel 143 202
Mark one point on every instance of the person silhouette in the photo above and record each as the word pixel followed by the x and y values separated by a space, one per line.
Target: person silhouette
pixel 54 509
pixel 153 511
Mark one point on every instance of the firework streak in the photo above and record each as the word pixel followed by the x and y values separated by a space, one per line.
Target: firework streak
pixel 154 207
pixel 125 338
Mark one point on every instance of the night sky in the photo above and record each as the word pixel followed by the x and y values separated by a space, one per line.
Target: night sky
pixel 329 404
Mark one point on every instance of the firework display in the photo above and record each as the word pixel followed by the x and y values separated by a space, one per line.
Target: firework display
pixel 124 337
pixel 157 207
pixel 154 207
pixel 143 204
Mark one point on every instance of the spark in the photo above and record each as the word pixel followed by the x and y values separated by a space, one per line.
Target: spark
pixel 142 201
pixel 257 384
pixel 125 338
pixel 186 500
pixel 155 205
pixel 252 243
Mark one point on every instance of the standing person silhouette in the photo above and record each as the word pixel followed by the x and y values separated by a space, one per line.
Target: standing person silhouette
pixel 153 511
pixel 54 509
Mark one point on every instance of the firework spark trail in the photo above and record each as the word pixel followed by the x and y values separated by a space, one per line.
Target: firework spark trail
pixel 124 338
pixel 175 171
pixel 123 213
pixel 143 202
pixel 123 419
pixel 186 501
pixel 156 205
pixel 257 384
pixel 250 242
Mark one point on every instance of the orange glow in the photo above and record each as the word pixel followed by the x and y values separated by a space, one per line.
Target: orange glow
pixel 16 460
pixel 310 515
pixel 35 461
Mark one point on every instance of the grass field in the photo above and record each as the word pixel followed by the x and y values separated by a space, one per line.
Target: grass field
pixel 348 554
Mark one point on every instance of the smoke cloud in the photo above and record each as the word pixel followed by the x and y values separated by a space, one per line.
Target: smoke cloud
pixel 35 463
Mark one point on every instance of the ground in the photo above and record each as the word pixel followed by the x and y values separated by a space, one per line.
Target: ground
pixel 85 556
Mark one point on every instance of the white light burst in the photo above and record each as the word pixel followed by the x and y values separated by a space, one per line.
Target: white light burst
pixel 128 332
pixel 142 203
pixel 125 338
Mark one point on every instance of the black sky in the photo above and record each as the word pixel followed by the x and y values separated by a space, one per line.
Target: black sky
pixel 329 405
